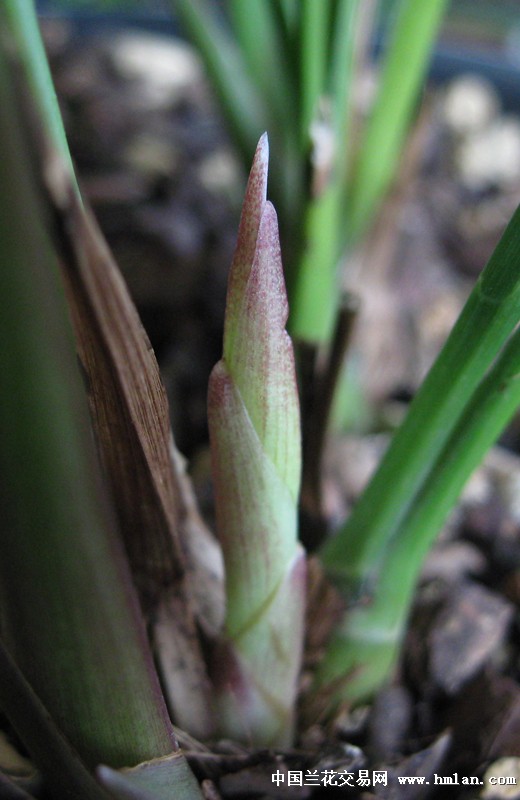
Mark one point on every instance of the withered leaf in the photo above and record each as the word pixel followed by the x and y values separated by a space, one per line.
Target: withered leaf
pixel 129 411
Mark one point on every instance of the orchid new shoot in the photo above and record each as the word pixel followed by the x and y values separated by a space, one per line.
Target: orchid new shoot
pixel 255 440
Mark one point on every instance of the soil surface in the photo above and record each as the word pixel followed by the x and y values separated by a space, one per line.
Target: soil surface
pixel 156 163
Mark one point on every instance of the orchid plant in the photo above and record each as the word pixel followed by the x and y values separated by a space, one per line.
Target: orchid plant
pixel 105 555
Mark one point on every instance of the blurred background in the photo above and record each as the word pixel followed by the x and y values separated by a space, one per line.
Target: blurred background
pixel 156 162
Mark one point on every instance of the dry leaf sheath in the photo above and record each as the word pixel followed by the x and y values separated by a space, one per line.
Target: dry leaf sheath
pixel 130 417
pixel 255 439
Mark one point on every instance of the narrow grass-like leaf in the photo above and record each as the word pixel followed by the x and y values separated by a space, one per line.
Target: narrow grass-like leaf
pixel 288 10
pixel 315 19
pixel 238 95
pixel 65 772
pixel 22 26
pixel 247 101
pixel 314 293
pixel 309 45
pixel 255 27
pixel 363 650
pixel 488 318
pixel 255 441
pixel 406 60
pixel 314 288
pixel 339 80
pixel 69 613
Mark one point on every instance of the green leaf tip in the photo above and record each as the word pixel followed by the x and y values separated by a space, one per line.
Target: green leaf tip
pixel 254 423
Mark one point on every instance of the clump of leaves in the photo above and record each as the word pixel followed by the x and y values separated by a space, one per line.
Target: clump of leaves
pixel 292 66
pixel 96 550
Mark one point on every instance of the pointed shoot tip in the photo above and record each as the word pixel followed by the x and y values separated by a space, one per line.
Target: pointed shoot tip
pixel 262 152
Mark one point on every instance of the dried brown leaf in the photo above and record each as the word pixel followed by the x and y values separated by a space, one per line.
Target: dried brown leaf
pixel 129 410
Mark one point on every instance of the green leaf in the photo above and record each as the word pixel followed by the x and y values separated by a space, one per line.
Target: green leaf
pixel 22 26
pixel 238 95
pixel 69 612
pixel 405 64
pixel 487 320
pixel 315 19
pixel 458 412
pixel 257 30
pixel 314 287
pixel 364 648
pixel 63 768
